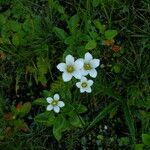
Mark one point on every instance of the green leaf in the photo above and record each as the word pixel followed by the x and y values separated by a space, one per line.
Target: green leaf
pixel 69 40
pixel 99 26
pixel 139 146
pixel 60 33
pixel 46 118
pixel 73 22
pixel 110 34
pixel 25 109
pixel 146 139
pixel 60 125
pixel 96 3
pixel 40 101
pixel 16 40
pixel 129 120
pixel 75 120
pixel 79 108
pixel 103 114
pixel 91 45
pixel 2 20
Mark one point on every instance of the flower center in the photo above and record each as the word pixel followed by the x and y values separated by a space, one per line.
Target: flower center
pixel 70 69
pixel 54 102
pixel 87 67
pixel 84 84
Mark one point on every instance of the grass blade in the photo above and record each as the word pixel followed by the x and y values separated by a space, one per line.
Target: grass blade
pixel 103 113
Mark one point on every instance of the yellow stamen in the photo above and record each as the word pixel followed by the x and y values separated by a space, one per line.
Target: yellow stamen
pixel 54 102
pixel 87 67
pixel 84 84
pixel 70 69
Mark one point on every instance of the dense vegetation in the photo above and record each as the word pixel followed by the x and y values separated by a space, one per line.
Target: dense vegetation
pixel 37 35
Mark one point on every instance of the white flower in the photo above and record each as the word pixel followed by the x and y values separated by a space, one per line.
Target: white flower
pixel 89 65
pixel 54 103
pixel 71 68
pixel 85 85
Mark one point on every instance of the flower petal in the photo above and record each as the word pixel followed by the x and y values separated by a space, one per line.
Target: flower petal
pixel 90 82
pixel 49 99
pixel 69 59
pixel 49 107
pixel 66 76
pixel 79 64
pixel 82 90
pixel 93 73
pixel 77 74
pixel 61 67
pixel 83 79
pixel 88 90
pixel 88 57
pixel 56 109
pixel 56 97
pixel 78 84
pixel 95 63
pixel 61 104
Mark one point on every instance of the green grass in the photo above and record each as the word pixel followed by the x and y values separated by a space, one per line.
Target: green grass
pixel 36 35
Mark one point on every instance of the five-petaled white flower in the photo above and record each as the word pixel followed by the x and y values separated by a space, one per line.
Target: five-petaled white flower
pixel 85 85
pixel 54 103
pixel 71 68
pixel 89 65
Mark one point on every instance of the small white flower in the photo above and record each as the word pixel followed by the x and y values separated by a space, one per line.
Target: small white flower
pixel 89 65
pixel 54 103
pixel 85 85
pixel 71 68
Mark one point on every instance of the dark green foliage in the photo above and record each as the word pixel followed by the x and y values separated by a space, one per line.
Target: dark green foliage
pixel 36 35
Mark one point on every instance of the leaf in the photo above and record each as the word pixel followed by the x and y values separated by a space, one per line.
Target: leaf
pixel 75 120
pixel 103 114
pixel 146 139
pixel 40 101
pixel 139 146
pixel 91 45
pixel 60 33
pixel 99 26
pixel 46 118
pixel 110 34
pixel 73 22
pixel 16 40
pixel 25 109
pixel 96 3
pixel 79 108
pixel 129 120
pixel 60 125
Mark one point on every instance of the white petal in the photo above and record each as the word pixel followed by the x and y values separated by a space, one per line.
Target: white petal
pixel 77 74
pixel 61 104
pixel 90 82
pixel 79 64
pixel 56 109
pixel 84 72
pixel 69 59
pixel 88 57
pixel 56 97
pixel 82 90
pixel 95 63
pixel 49 99
pixel 61 67
pixel 83 79
pixel 93 73
pixel 88 90
pixel 49 107
pixel 78 84
pixel 66 76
